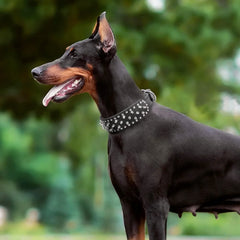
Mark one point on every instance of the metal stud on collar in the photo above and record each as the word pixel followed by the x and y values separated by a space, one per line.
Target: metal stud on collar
pixel 127 118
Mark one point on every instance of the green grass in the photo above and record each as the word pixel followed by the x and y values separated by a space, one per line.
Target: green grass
pixel 63 237
pixel 98 237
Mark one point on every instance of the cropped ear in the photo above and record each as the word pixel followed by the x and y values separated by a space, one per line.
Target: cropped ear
pixel 103 30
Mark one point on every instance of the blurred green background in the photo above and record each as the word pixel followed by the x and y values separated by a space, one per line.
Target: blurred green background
pixel 53 162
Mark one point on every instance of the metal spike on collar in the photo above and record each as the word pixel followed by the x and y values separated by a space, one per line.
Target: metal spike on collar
pixel 129 116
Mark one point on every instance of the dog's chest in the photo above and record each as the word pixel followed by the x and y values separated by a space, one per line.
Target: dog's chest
pixel 122 168
pixel 124 179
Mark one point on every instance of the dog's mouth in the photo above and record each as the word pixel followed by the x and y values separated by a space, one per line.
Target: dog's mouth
pixel 62 92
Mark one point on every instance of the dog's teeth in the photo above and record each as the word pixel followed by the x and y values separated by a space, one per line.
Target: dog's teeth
pixel 76 82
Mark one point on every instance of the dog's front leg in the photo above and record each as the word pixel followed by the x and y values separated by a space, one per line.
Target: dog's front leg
pixel 156 215
pixel 134 219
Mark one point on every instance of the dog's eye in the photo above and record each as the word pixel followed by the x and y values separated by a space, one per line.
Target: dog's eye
pixel 73 54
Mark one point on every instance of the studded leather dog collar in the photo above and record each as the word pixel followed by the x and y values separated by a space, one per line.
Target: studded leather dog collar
pixel 129 116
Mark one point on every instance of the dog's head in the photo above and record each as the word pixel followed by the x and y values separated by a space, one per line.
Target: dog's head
pixel 74 71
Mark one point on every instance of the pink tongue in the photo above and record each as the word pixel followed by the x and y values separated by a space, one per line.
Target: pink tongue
pixel 52 92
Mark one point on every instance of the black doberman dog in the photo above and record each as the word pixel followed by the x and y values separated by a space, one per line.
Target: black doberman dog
pixel 159 160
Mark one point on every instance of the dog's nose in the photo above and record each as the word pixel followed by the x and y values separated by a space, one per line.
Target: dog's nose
pixel 36 72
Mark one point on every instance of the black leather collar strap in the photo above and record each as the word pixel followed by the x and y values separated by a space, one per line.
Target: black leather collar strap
pixel 131 115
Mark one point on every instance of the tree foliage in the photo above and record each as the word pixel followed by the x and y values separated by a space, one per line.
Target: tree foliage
pixel 178 46
pixel 60 169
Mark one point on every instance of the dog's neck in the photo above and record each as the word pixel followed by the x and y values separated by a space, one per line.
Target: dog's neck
pixel 116 89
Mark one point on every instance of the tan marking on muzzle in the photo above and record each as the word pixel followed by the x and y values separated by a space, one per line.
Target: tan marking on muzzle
pixel 56 75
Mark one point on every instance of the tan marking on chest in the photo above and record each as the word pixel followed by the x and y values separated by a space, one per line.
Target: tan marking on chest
pixel 130 174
